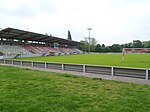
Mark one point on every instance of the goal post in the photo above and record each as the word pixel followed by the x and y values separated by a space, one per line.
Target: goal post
pixel 134 50
pixel 123 55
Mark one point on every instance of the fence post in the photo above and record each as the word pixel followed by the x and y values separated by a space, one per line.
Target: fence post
pixel 62 67
pixel 12 62
pixel 45 65
pixel 32 64
pixel 112 71
pixel 84 69
pixel 21 63
pixel 4 62
pixel 146 74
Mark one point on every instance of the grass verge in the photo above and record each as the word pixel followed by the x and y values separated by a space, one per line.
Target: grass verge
pixel 23 90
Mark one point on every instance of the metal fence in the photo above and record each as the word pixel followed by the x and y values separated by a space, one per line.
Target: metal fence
pixel 103 70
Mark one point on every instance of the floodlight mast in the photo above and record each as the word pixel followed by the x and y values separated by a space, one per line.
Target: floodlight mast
pixel 89 37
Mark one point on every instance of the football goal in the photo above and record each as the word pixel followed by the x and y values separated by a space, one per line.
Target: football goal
pixel 134 50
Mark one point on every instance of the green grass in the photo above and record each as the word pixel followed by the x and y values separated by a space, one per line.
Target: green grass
pixel 131 60
pixel 24 90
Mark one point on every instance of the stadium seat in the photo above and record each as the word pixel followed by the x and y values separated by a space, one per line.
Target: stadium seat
pixel 13 50
pixel 35 49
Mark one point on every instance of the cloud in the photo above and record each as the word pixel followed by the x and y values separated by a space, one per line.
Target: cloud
pixel 112 21
pixel 25 9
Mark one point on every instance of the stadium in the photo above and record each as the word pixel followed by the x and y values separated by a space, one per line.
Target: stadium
pixel 21 45
pixel 74 55
pixel 18 43
pixel 46 73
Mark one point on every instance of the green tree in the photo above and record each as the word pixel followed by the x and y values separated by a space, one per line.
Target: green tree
pixel 103 45
pixel 83 46
pixel 128 45
pixel 106 49
pixel 93 43
pixel 69 35
pixel 98 48
pixel 103 48
pixel 88 42
pixel 115 48
pixel 146 44
pixel 137 44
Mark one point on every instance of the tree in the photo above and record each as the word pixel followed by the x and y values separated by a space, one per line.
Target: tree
pixel 88 42
pixel 83 46
pixel 146 44
pixel 94 47
pixel 115 48
pixel 103 48
pixel 103 45
pixel 137 44
pixel 46 34
pixel 98 48
pixel 93 44
pixel 128 45
pixel 69 35
pixel 106 49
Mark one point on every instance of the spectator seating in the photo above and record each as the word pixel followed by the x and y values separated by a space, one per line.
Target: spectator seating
pixel 1 54
pixel 13 50
pixel 38 49
pixel 78 51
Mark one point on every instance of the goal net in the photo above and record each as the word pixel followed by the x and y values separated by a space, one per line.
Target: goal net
pixel 134 50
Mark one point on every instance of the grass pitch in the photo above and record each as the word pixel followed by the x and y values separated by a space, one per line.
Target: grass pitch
pixel 131 60
pixel 24 90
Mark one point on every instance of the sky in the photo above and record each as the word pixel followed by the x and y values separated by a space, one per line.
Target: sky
pixel 112 21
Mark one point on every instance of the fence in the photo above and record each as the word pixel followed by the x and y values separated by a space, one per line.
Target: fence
pixel 103 70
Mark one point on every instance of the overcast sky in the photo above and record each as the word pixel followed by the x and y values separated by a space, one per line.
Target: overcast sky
pixel 112 21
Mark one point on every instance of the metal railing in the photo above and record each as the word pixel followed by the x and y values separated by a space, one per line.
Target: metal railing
pixel 96 69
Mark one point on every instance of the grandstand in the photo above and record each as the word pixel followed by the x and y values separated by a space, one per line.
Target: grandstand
pixel 16 43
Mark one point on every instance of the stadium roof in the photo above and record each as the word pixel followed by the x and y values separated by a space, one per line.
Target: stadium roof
pixel 11 33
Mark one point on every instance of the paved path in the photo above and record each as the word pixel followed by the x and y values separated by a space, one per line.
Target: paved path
pixel 106 77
